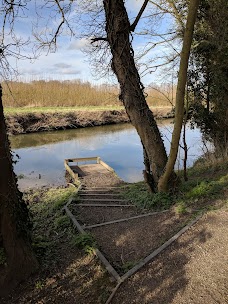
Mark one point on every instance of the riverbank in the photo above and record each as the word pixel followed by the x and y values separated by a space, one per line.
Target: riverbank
pixel 185 270
pixel 30 120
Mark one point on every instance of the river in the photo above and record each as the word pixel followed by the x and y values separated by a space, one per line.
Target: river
pixel 41 155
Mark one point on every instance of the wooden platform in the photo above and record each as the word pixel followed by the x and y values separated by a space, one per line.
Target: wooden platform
pixel 91 169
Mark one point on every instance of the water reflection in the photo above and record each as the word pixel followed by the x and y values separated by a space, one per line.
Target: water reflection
pixel 42 154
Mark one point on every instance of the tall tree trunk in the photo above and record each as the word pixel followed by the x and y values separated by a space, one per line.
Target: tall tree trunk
pixel 14 238
pixel 132 95
pixel 163 184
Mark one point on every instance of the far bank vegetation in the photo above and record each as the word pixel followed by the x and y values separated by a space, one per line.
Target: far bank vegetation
pixel 70 93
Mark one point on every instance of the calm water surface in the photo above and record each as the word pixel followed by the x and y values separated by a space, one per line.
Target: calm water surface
pixel 42 154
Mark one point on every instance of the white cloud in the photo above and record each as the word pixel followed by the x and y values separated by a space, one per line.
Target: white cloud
pixel 79 44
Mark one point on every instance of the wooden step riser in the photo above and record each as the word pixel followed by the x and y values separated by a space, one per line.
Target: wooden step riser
pixel 104 200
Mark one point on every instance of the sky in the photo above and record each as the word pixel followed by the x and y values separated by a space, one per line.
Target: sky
pixel 69 61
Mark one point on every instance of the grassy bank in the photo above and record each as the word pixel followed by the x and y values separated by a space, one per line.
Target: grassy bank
pixel 49 119
pixel 27 110
pixel 74 93
pixel 205 189
pixel 67 270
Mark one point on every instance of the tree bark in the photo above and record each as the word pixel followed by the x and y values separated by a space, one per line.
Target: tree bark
pixel 163 185
pixel 132 95
pixel 14 238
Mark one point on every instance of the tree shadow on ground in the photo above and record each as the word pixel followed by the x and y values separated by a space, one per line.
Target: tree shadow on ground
pixel 162 279
pixel 72 277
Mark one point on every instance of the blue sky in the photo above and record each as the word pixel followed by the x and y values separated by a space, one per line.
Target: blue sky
pixel 69 61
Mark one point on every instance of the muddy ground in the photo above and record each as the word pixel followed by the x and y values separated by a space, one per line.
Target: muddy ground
pixel 38 122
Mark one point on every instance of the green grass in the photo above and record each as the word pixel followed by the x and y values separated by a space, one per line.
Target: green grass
pixel 46 207
pixel 205 180
pixel 85 242
pixel 25 110
pixel 62 222
pixel 138 194
pixel 206 184
pixel 51 200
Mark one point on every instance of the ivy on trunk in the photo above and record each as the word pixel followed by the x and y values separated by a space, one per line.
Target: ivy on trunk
pixel 14 220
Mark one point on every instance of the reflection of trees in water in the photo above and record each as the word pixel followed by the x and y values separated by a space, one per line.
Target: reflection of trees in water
pixel 101 133
pixel 45 138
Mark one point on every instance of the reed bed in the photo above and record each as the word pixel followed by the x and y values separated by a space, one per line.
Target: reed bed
pixel 55 93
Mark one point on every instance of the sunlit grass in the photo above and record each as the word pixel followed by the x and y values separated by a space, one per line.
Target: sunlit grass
pixel 207 183
pixel 139 195
pixel 15 110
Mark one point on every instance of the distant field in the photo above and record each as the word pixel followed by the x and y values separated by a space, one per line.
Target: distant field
pixel 163 110
pixel 19 110
pixel 74 94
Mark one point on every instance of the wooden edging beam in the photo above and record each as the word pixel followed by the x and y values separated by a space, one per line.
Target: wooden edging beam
pixel 106 166
pixel 81 159
pixel 142 263
pixel 151 256
pixel 103 205
pixel 124 219
pixel 96 251
pixel 102 188
pixel 103 200
pixel 99 194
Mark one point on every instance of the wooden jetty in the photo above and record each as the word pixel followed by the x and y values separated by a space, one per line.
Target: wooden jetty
pixel 88 167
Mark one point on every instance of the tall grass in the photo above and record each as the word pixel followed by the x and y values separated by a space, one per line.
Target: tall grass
pixel 71 93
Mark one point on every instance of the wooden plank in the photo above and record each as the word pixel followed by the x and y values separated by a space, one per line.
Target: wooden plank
pixel 82 159
pixel 101 190
pixel 100 194
pixel 96 251
pixel 103 200
pixel 124 219
pixel 72 174
pixel 159 250
pixel 73 219
pixel 149 258
pixel 77 170
pixel 103 205
pixel 106 166
pixel 105 188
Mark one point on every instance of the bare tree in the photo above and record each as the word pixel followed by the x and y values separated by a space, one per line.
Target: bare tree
pixel 118 29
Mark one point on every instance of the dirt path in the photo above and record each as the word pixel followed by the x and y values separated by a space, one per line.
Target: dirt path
pixel 194 270
pixel 124 234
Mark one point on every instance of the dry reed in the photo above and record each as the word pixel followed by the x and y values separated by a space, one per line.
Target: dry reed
pixel 72 93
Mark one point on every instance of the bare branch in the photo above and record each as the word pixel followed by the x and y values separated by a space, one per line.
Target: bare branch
pixel 98 39
pixel 163 94
pixel 134 24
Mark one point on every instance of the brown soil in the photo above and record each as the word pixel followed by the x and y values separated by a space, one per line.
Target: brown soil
pixel 127 242
pixel 131 241
pixel 192 270
pixel 96 215
pixel 71 277
pixel 38 122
